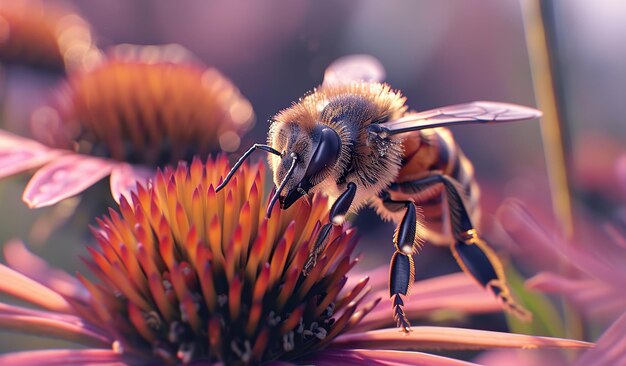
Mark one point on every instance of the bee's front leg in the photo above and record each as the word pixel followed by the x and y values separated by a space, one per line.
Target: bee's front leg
pixel 336 216
pixel 402 268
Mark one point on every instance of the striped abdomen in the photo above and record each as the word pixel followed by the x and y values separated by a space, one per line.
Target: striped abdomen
pixel 427 152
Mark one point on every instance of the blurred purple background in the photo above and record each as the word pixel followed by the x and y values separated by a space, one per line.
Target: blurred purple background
pixel 437 53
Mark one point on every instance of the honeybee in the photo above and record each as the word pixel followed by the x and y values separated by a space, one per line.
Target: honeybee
pixel 355 139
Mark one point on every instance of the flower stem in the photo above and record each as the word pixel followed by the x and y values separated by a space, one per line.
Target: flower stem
pixel 540 30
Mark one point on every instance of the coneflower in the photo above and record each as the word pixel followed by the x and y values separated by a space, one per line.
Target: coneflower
pixel 124 118
pixel 189 276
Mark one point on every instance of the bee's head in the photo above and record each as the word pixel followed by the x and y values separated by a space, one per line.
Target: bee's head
pixel 308 156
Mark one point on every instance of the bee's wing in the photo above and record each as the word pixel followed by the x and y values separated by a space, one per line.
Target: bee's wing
pixel 348 69
pixel 474 112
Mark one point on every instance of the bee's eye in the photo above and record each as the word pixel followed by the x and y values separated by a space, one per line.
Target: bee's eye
pixel 326 153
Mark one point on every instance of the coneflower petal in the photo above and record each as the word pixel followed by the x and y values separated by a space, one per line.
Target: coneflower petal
pixel 52 327
pixel 18 154
pixel 63 178
pixel 65 358
pixel 425 337
pixel 597 298
pixel 369 356
pixel 124 179
pixel 24 288
pixel 23 261
pixel 610 348
pixel 454 292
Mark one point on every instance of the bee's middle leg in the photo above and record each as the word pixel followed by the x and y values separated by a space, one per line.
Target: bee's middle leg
pixel 336 216
pixel 402 268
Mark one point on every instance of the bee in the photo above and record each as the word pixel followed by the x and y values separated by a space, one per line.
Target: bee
pixel 355 139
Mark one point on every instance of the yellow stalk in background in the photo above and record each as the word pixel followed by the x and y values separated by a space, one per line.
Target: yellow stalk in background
pixel 536 26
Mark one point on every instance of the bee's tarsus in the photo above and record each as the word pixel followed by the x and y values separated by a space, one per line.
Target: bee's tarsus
pixel 318 248
pixel 398 314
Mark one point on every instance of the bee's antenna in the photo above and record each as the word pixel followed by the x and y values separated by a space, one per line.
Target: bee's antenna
pixel 268 213
pixel 230 174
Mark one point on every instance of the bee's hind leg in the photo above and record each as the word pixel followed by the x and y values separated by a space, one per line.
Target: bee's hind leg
pixel 402 268
pixel 336 216
pixel 477 259
pixel 472 253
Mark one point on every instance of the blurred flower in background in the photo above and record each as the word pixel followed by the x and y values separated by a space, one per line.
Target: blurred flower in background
pixel 597 285
pixel 48 37
pixel 593 279
pixel 187 275
pixel 39 42
pixel 141 108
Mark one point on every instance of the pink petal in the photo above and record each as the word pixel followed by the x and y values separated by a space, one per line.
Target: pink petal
pixel 6 309
pixel 450 338
pixel 52 325
pixel 368 356
pixel 379 278
pixel 18 154
pixel 610 348
pixel 333 357
pixel 454 292
pixel 17 285
pixel 513 357
pixel 595 297
pixel 521 226
pixel 63 178
pixel 22 260
pixel 124 179
pixel 64 357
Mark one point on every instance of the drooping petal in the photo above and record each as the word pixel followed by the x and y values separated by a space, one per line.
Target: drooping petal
pixel 6 309
pixel 332 357
pixel 22 260
pixel 516 357
pixel 610 348
pixel 595 297
pixel 379 277
pixel 450 338
pixel 18 154
pixel 514 216
pixel 375 356
pixel 23 288
pixel 124 179
pixel 63 178
pixel 454 292
pixel 51 325
pixel 64 357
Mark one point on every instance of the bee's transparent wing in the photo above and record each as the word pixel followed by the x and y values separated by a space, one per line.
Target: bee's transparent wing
pixel 474 112
pixel 348 69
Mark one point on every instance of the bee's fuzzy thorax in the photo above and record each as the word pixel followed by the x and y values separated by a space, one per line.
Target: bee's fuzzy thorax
pixel 370 161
